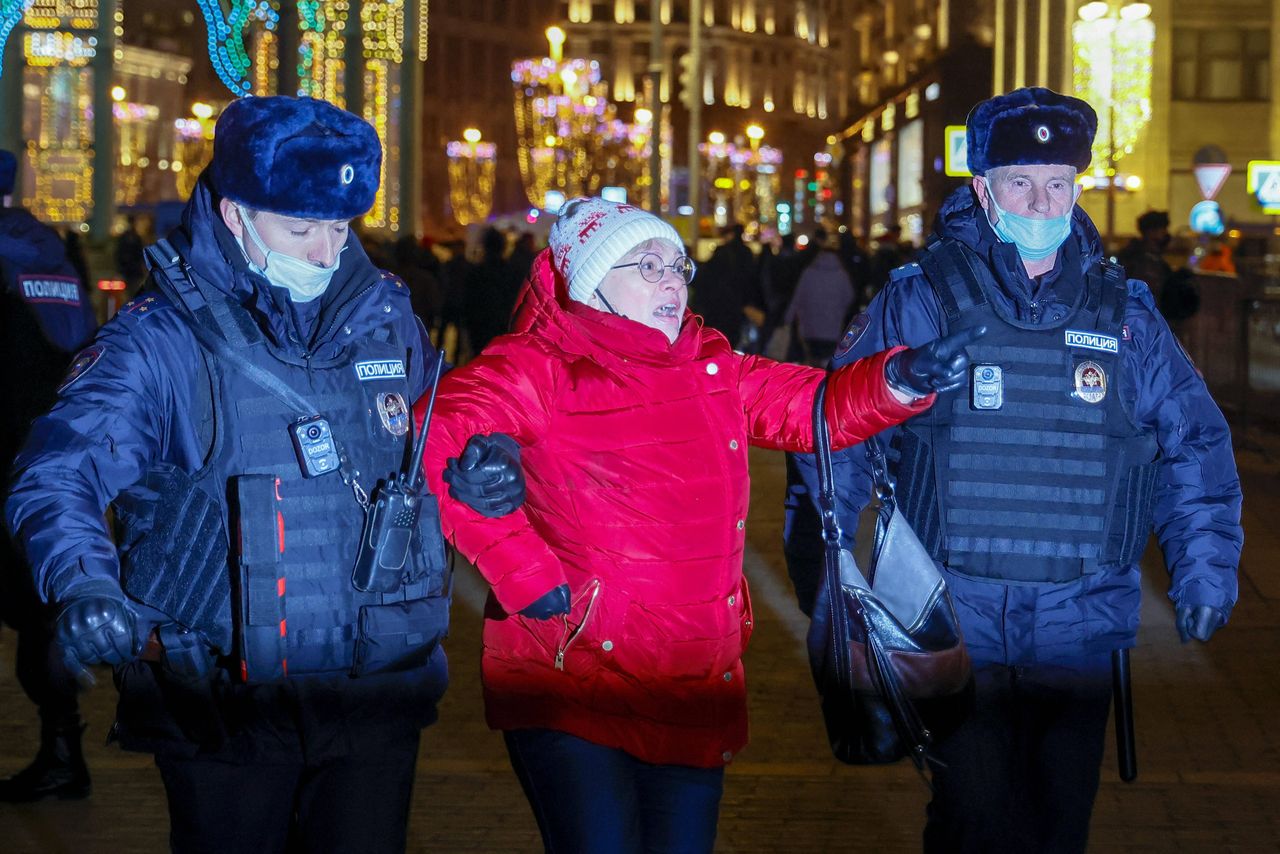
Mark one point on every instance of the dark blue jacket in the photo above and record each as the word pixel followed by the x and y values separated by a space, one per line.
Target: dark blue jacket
pixel 45 316
pixel 133 400
pixel 1197 510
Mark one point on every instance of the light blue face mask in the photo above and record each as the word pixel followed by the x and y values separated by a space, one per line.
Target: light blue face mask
pixel 1036 239
pixel 303 280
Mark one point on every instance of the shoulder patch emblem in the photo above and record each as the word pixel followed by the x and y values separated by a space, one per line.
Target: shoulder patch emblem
pixel 81 364
pixel 853 334
pixel 61 290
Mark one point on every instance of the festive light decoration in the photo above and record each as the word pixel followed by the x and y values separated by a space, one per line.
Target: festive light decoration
pixel 11 12
pixel 1112 71
pixel 471 171
pixel 323 43
pixel 226 37
pixel 57 49
pixel 560 106
pixel 193 145
pixel 744 180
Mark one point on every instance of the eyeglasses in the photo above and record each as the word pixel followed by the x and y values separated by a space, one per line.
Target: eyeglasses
pixel 652 269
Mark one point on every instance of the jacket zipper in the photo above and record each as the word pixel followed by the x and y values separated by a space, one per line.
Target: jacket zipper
pixel 575 632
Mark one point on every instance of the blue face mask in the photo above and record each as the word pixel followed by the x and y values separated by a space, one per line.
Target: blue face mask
pixel 1036 239
pixel 303 280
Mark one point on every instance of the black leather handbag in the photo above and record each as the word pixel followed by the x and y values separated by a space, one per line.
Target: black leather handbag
pixel 885 647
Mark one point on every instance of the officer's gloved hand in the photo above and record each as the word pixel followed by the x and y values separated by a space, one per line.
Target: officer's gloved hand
pixel 185 654
pixel 1198 621
pixel 94 628
pixel 487 477
pixel 550 604
pixel 938 366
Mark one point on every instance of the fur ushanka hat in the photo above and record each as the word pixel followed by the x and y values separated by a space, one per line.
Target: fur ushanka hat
pixel 299 157
pixel 1030 126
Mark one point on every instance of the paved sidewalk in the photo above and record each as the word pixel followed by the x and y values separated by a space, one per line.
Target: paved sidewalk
pixel 1208 744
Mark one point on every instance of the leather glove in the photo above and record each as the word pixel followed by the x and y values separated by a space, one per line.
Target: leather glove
pixel 185 653
pixel 487 477
pixel 938 366
pixel 550 604
pixel 1198 621
pixel 91 629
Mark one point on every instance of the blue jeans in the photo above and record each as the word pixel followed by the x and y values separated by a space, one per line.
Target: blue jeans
pixel 589 798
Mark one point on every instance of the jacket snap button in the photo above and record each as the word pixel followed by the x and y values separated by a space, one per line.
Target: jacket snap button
pixel 346 330
pixel 726 756
pixel 386 309
pixel 733 444
pixel 713 368
pixel 607 646
pixel 728 677
pixel 741 524
pixel 732 599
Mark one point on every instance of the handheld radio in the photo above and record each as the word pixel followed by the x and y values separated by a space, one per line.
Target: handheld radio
pixel 392 516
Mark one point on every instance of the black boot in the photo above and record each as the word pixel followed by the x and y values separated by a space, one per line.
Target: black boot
pixel 58 769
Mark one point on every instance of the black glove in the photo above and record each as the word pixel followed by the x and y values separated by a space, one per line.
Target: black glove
pixel 1198 621
pixel 91 629
pixel 938 366
pixel 487 477
pixel 185 654
pixel 548 605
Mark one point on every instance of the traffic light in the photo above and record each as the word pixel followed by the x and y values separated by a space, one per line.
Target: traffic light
pixel 688 82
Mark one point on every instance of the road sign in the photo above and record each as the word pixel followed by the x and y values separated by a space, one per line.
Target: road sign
pixel 956 164
pixel 1211 177
pixel 1264 183
pixel 1206 218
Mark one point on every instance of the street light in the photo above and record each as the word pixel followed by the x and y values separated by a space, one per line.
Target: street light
pixel 1113 47
pixel 755 133
pixel 715 138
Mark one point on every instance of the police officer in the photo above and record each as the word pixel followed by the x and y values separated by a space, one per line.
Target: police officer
pixel 45 317
pixel 1036 485
pixel 239 415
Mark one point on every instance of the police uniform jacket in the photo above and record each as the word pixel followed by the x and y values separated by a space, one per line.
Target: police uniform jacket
pixel 1194 490
pixel 138 398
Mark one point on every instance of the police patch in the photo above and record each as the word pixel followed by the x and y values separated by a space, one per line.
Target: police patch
pixel 1091 382
pixel 81 364
pixel 1092 341
pixel 380 369
pixel 394 413
pixel 62 290
pixel 854 334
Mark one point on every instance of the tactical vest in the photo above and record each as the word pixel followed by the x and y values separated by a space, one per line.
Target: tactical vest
pixel 1036 473
pixel 294 539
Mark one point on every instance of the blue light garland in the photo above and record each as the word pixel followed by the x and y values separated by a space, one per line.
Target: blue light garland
pixel 226 38
pixel 11 12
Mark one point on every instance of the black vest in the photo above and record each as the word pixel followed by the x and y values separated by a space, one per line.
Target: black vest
pixel 1036 473
pixel 286 580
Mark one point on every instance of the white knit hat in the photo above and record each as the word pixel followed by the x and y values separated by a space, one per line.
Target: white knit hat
pixel 592 234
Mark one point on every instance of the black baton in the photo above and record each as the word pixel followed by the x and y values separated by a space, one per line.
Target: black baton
pixel 1122 689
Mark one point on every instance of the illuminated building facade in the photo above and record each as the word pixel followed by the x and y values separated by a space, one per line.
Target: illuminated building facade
pixel 777 65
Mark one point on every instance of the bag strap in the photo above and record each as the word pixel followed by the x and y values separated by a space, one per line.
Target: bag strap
pixel 838 619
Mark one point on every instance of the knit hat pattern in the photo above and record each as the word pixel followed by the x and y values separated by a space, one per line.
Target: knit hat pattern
pixel 592 234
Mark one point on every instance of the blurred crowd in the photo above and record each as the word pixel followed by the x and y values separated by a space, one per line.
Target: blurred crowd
pixel 789 296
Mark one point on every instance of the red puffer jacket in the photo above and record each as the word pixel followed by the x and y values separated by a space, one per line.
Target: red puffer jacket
pixel 635 455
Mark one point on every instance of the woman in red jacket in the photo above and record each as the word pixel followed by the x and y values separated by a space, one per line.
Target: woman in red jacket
pixel 614 634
